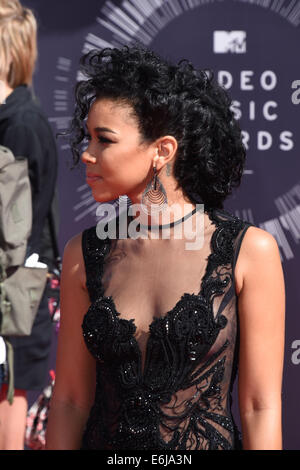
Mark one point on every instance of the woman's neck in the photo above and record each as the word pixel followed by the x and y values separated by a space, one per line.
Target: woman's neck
pixel 177 205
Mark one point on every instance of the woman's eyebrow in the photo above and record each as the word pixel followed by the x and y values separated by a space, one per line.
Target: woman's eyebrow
pixel 105 129
pixel 97 129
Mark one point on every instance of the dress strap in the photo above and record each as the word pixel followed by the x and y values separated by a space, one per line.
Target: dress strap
pixel 94 250
pixel 238 242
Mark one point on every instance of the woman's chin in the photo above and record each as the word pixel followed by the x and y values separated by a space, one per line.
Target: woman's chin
pixel 101 198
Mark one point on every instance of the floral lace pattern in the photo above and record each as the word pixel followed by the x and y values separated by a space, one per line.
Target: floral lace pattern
pixel 181 400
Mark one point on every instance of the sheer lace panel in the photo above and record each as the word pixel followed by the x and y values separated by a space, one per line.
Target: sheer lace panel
pixel 162 327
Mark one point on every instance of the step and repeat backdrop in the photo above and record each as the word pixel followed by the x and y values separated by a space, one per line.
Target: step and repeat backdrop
pixel 253 48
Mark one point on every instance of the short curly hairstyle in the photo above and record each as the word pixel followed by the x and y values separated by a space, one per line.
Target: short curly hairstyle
pixel 168 99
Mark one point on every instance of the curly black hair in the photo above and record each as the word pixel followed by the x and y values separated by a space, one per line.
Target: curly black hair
pixel 168 99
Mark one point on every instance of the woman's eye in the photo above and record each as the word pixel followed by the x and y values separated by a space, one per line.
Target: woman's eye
pixel 100 139
pixel 104 140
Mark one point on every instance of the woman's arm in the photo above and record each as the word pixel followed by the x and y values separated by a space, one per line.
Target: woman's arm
pixel 75 381
pixel 261 304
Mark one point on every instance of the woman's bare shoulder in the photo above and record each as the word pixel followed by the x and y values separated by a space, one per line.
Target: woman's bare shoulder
pixel 74 243
pixel 257 248
pixel 258 239
pixel 73 260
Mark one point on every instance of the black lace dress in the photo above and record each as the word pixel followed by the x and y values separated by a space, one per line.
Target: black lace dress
pixel 163 329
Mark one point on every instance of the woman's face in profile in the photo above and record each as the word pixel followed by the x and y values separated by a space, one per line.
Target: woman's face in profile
pixel 114 156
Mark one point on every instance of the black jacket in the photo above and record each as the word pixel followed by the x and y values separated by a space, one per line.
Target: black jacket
pixel 25 130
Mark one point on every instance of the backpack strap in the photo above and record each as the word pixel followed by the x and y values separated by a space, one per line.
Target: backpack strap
pixel 10 362
pixel 16 208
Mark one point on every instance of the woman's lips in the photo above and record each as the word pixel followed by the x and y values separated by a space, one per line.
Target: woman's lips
pixel 92 178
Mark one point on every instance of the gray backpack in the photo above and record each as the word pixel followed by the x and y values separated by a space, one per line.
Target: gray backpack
pixel 21 287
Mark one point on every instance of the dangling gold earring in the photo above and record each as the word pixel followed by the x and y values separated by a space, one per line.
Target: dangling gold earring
pixel 154 198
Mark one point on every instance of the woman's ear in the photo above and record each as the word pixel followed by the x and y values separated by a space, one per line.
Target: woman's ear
pixel 167 148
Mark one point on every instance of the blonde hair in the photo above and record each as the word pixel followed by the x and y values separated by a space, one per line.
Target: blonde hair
pixel 18 43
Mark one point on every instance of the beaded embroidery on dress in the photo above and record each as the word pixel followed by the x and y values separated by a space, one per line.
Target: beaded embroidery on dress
pixel 164 380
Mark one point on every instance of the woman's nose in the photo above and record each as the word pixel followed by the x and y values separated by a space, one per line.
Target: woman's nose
pixel 87 157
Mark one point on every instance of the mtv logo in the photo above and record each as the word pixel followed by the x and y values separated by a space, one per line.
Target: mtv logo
pixel 229 41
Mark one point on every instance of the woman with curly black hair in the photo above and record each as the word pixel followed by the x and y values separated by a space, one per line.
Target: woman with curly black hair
pixel 153 328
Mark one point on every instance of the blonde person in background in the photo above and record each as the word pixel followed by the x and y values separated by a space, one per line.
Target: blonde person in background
pixel 25 130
